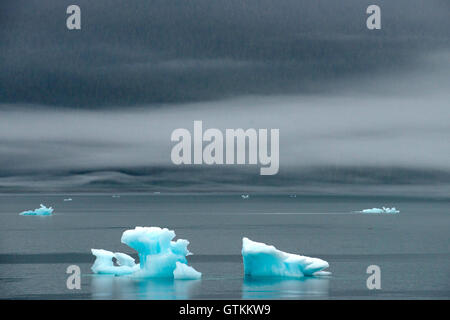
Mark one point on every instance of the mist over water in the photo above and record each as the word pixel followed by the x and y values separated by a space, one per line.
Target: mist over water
pixel 326 141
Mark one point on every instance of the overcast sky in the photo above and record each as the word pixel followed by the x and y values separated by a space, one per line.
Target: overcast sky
pixel 93 110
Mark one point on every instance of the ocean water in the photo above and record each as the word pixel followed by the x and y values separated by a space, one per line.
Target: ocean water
pixel 411 248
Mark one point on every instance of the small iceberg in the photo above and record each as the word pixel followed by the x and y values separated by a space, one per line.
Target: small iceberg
pixel 104 263
pixel 159 256
pixel 382 210
pixel 68 199
pixel 42 211
pixel 115 196
pixel 262 260
pixel 245 196
pixel 184 272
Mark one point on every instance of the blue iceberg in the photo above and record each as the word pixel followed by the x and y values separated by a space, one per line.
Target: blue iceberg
pixel 159 256
pixel 382 210
pixel 262 260
pixel 104 263
pixel 184 272
pixel 42 211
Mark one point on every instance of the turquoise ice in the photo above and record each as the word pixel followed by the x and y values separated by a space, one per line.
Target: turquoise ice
pixel 104 263
pixel 42 211
pixel 159 256
pixel 262 260
pixel 381 210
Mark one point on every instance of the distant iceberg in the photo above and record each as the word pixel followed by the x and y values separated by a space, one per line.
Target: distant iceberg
pixel 245 196
pixel 262 260
pixel 42 211
pixel 382 210
pixel 68 199
pixel 159 256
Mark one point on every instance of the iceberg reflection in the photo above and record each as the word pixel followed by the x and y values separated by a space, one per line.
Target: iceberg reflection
pixel 111 287
pixel 283 288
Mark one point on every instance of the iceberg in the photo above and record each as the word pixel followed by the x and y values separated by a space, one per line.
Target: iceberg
pixel 104 263
pixel 184 272
pixel 159 256
pixel 262 260
pixel 382 210
pixel 42 211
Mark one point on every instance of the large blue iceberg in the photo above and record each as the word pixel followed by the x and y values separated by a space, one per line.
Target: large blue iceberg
pixel 159 256
pixel 382 210
pixel 262 260
pixel 42 211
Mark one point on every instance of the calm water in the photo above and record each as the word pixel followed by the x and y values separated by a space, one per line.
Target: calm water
pixel 411 248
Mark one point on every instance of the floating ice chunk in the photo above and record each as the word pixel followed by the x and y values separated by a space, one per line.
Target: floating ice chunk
pixel 124 259
pixel 245 196
pixel 382 210
pixel 68 199
pixel 159 256
pixel 184 272
pixel 42 211
pixel 261 260
pixel 104 263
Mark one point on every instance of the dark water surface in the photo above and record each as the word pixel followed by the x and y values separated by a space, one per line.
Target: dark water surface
pixel 411 248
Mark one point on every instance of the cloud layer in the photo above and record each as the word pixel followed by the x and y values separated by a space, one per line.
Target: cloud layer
pixel 147 53
pixel 92 110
